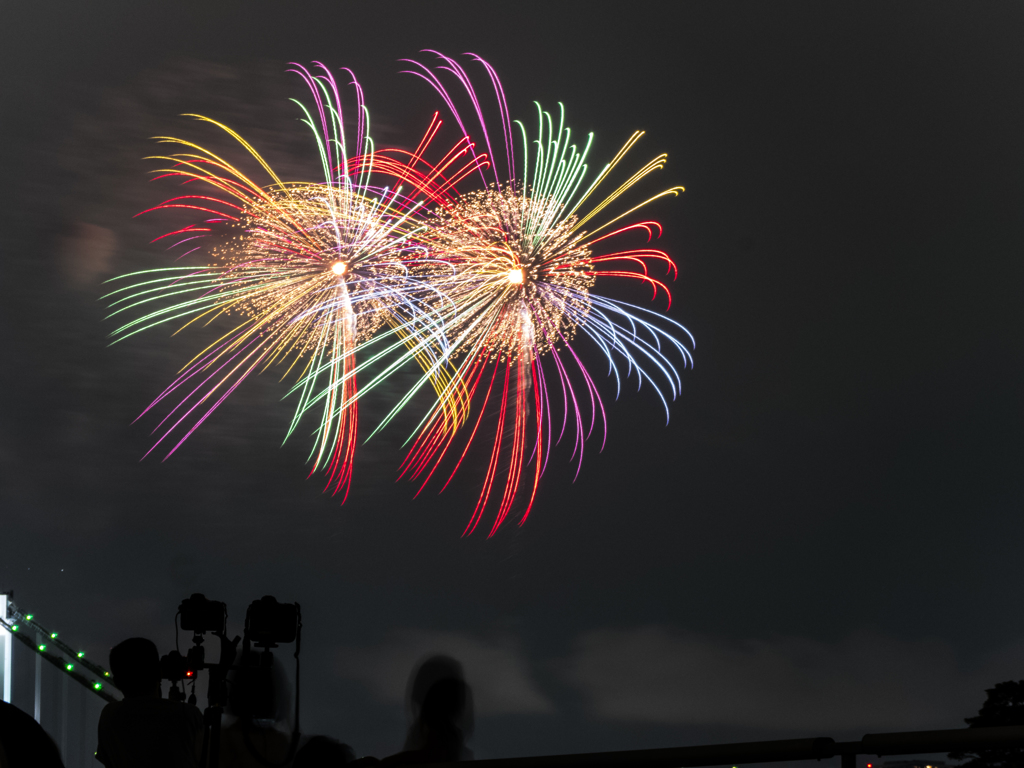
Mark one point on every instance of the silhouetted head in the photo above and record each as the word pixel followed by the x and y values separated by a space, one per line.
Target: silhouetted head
pixel 441 706
pixel 444 705
pixel 135 664
pixel 430 671
pixel 323 752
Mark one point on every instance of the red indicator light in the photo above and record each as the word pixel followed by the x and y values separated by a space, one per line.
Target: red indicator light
pixel 189 674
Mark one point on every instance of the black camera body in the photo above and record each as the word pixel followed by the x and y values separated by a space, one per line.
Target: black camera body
pixel 176 668
pixel 201 615
pixel 251 686
pixel 268 622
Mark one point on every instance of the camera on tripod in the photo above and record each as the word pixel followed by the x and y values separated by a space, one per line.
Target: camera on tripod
pixel 176 668
pixel 268 623
pixel 201 615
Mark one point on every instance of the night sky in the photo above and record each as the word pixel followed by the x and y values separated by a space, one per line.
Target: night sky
pixel 825 538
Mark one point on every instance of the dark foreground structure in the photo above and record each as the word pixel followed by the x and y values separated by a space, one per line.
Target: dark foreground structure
pixel 787 750
pixel 957 741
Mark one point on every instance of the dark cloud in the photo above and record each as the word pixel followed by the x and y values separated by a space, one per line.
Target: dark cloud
pixel 865 682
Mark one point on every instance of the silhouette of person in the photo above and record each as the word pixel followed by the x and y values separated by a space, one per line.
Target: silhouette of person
pixel 23 742
pixel 441 705
pixel 143 728
pixel 258 703
pixel 323 752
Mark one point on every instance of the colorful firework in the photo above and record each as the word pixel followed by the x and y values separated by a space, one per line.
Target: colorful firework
pixel 310 271
pixel 524 270
pixel 491 292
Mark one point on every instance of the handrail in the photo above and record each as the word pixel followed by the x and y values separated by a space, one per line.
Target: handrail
pixel 17 616
pixel 64 665
pixel 784 750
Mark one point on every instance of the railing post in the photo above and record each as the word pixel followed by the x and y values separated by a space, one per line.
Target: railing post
pixel 849 760
pixel 64 718
pixel 38 710
pixel 8 650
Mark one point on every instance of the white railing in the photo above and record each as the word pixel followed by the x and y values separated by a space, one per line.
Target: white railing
pixel 56 684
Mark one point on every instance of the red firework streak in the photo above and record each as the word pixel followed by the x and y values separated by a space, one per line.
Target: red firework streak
pixel 510 310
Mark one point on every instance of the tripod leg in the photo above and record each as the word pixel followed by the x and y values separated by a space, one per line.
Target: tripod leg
pixel 215 718
pixel 206 744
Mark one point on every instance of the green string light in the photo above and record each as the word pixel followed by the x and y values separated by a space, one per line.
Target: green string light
pixel 68 665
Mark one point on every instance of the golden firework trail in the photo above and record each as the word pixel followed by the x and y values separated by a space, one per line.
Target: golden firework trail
pixel 528 252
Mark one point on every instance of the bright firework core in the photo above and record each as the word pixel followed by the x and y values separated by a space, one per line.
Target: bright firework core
pixel 486 233
pixel 338 268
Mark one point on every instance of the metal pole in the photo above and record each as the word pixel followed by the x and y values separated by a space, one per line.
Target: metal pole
pixel 64 719
pixel 8 649
pixel 39 682
pixel 83 728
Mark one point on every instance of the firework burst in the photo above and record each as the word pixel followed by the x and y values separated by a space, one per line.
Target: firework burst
pixel 309 272
pixel 493 293
pixel 527 253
